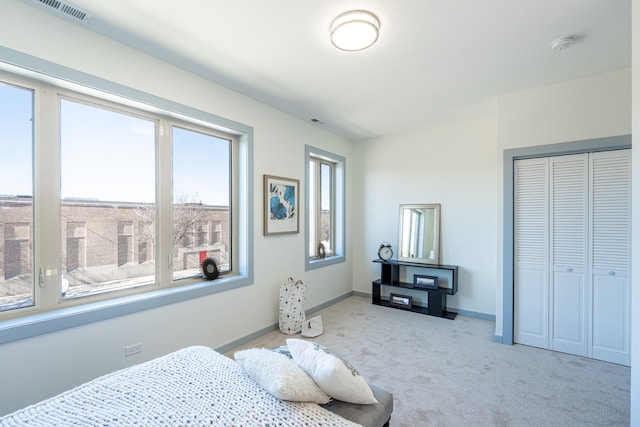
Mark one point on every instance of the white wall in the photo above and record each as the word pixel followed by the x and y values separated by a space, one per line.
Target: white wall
pixel 453 164
pixel 635 226
pixel 38 367
pixel 592 107
pixel 459 165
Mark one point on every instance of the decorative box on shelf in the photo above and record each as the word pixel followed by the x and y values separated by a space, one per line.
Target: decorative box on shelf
pixel 438 281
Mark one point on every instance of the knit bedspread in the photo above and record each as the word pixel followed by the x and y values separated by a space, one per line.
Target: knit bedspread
pixel 194 386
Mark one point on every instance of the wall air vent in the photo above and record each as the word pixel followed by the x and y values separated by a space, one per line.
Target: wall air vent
pixel 62 8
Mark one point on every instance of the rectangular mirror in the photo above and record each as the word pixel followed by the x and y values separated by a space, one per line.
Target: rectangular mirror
pixel 419 237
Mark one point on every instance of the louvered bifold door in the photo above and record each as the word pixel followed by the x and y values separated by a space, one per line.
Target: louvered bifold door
pixel 569 247
pixel 610 249
pixel 531 252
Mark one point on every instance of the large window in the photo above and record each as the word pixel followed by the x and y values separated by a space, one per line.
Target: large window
pixel 325 236
pixel 102 198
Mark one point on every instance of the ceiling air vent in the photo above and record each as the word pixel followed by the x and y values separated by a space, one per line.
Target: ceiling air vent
pixel 63 8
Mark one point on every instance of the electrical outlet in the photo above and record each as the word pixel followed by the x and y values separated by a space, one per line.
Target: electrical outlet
pixel 132 349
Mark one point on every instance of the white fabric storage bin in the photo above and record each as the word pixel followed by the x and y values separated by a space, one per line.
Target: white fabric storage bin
pixel 292 298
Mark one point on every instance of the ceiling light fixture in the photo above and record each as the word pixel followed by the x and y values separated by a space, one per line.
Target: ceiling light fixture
pixel 562 43
pixel 354 30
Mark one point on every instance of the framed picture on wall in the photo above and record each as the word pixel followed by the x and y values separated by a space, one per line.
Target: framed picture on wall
pixel 281 209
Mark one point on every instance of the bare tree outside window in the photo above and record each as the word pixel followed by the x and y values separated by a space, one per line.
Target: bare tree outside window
pixel 190 220
pixel 201 189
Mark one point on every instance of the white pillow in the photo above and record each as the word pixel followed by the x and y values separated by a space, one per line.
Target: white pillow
pixel 280 376
pixel 335 376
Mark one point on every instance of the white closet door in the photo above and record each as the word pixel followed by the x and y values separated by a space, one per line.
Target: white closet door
pixel 611 229
pixel 569 248
pixel 531 246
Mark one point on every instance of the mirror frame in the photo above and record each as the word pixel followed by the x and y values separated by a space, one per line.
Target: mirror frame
pixel 436 237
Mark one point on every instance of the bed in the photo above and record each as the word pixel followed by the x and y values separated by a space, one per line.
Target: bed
pixel 193 386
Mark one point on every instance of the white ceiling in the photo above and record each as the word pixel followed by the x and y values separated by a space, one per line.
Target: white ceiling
pixel 435 60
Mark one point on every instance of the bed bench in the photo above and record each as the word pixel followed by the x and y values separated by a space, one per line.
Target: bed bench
pixel 375 414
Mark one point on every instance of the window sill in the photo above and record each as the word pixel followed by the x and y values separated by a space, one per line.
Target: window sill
pixel 313 263
pixel 57 320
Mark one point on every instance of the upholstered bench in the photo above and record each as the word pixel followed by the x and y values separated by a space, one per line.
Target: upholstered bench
pixel 372 415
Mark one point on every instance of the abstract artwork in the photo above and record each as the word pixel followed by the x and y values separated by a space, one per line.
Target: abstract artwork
pixel 281 214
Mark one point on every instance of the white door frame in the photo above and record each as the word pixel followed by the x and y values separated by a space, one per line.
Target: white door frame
pixel 509 156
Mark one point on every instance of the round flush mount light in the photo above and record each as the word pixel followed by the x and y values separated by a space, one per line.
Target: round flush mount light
pixel 562 43
pixel 354 30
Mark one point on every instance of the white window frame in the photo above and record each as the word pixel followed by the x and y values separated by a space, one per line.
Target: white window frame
pixel 338 214
pixel 31 72
pixel 233 237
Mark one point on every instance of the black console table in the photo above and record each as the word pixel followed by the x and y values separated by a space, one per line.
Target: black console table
pixel 436 298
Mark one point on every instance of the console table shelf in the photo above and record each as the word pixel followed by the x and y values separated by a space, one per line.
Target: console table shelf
pixel 436 298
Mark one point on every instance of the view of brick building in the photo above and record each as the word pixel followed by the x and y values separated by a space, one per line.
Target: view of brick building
pixel 108 245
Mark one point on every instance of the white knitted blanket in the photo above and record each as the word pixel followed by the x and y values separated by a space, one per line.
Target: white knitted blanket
pixel 195 386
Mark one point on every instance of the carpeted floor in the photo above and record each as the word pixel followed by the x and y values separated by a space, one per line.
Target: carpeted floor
pixel 450 373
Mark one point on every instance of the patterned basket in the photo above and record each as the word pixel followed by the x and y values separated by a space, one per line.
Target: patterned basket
pixel 292 299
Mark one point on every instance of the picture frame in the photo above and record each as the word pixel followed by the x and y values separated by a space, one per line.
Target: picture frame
pixel 281 205
pixel 422 281
pixel 400 301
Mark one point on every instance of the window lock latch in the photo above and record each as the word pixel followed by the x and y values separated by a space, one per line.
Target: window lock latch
pixel 41 279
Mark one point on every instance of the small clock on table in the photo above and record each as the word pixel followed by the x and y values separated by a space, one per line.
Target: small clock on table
pixel 385 252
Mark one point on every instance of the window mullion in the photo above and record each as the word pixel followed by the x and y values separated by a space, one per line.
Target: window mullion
pixel 164 203
pixel 318 201
pixel 332 235
pixel 47 249
pixel 234 238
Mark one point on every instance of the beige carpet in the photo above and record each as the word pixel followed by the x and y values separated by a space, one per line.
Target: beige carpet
pixel 450 372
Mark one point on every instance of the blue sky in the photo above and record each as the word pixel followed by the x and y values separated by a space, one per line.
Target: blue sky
pixel 15 141
pixel 109 156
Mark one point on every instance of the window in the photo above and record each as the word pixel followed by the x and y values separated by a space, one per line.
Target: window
pixel 105 199
pixel 201 195
pixel 325 208
pixel 16 197
pixel 321 205
pixel 107 171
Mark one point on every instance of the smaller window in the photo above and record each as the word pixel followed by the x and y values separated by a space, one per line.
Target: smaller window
pixel 201 197
pixel 105 177
pixel 325 237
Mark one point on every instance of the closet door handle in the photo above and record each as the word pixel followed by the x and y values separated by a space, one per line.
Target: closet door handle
pixel 569 270
pixel 612 273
